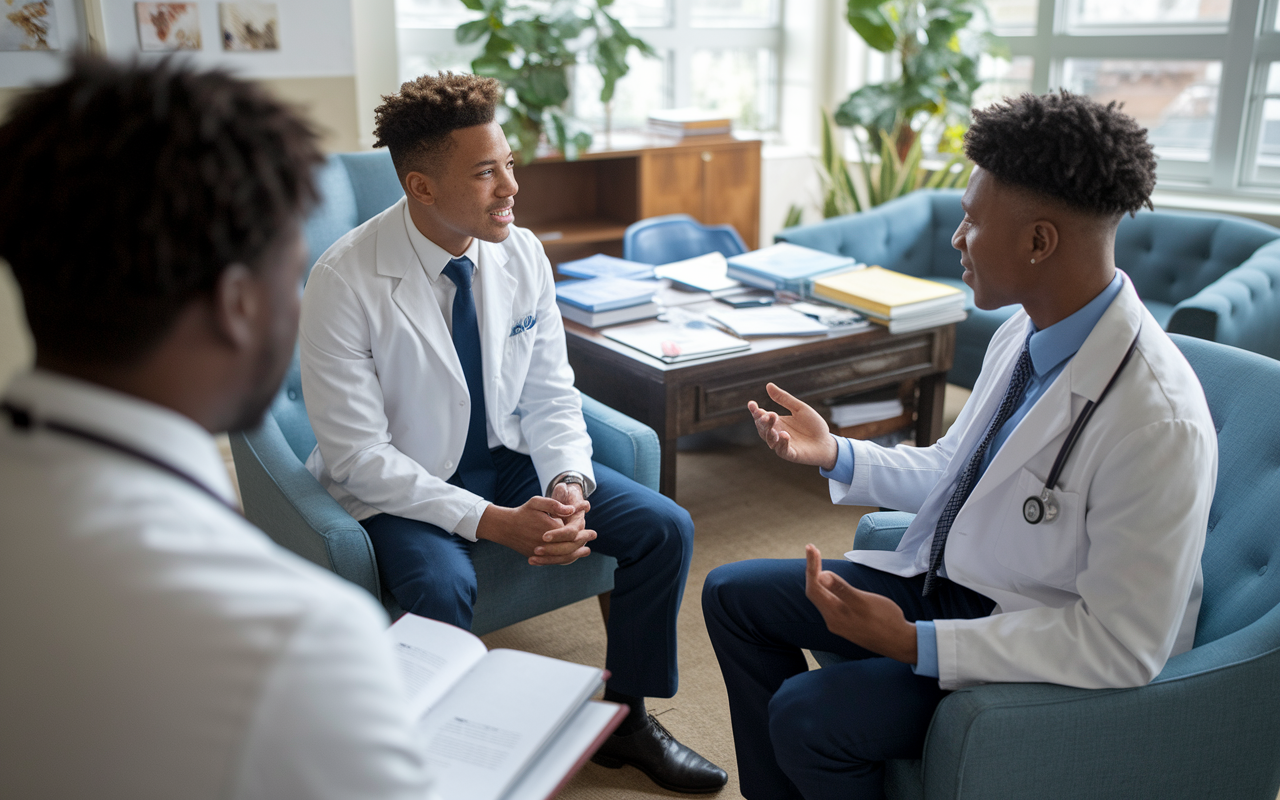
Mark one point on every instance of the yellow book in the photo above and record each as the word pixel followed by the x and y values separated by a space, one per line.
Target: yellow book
pixel 885 293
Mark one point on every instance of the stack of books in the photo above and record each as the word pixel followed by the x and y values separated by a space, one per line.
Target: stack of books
pixel 900 302
pixel 597 302
pixel 603 266
pixel 786 267
pixel 681 122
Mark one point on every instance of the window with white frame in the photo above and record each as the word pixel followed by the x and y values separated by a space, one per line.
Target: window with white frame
pixel 1203 76
pixel 721 55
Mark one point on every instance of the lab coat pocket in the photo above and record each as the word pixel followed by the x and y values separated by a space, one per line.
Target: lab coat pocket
pixel 1047 552
pixel 515 366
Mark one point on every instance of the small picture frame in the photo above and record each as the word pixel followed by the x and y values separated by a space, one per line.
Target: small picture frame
pixel 166 27
pixel 249 26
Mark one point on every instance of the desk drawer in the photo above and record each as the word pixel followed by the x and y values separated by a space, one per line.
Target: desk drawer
pixel 818 379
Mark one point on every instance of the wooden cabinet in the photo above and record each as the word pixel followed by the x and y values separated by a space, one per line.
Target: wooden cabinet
pixel 582 207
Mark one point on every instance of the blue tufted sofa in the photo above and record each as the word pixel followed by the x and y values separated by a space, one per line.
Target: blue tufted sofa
pixel 1209 724
pixel 281 496
pixel 1209 276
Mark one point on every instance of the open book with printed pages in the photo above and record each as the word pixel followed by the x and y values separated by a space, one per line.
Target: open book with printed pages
pixel 501 724
pixel 901 302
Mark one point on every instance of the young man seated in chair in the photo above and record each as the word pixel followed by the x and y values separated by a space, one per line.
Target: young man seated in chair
pixel 438 385
pixel 1029 559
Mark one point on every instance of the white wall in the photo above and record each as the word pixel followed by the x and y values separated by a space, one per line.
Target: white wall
pixel 25 67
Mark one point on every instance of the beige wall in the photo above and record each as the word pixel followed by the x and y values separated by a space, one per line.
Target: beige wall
pixel 329 102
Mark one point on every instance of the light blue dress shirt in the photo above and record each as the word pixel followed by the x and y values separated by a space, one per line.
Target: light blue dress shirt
pixel 1051 350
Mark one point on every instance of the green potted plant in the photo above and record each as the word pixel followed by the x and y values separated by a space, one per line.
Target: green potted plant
pixel 937 45
pixel 531 50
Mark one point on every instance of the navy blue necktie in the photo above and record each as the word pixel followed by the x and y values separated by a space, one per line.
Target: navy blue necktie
pixel 476 472
pixel 1012 399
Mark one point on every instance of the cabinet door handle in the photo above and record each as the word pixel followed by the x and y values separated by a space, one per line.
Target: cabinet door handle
pixel 706 155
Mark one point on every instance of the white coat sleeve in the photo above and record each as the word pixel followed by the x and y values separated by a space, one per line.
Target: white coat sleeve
pixel 346 407
pixel 331 722
pixel 550 408
pixel 1145 526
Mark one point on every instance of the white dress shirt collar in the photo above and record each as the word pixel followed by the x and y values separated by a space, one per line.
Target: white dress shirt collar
pixel 159 432
pixel 435 258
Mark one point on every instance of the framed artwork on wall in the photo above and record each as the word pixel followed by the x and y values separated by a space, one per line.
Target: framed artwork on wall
pixel 28 25
pixel 249 26
pixel 168 26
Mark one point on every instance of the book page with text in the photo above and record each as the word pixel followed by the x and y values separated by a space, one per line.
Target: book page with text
pixel 482 735
pixel 433 656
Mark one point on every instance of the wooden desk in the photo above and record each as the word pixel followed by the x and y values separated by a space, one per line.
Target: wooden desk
pixel 678 399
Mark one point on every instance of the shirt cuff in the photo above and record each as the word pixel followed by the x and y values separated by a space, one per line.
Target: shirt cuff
pixel 842 472
pixel 926 650
pixel 470 522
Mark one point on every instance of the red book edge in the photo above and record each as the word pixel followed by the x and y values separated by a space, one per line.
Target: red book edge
pixel 623 711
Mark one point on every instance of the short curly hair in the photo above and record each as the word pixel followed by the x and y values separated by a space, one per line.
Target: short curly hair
pixel 415 124
pixel 127 189
pixel 1091 157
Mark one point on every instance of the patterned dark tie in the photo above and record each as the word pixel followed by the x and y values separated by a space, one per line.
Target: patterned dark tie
pixel 476 472
pixel 1012 399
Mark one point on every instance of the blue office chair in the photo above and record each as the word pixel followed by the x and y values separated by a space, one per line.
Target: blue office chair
pixel 675 237
pixel 1209 724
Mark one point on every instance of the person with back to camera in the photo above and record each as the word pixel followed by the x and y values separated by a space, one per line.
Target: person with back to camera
pixel 1092 581
pixel 438 384
pixel 155 644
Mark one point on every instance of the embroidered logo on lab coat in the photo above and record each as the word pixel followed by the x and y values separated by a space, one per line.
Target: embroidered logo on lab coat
pixel 523 324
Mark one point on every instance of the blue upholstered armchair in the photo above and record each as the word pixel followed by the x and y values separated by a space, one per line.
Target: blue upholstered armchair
pixel 1209 276
pixel 281 496
pixel 1209 724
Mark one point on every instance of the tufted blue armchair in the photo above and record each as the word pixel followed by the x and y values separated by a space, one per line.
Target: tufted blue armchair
pixel 1209 276
pixel 1209 724
pixel 285 500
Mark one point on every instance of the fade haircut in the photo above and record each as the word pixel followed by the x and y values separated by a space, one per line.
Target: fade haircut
pixel 127 189
pixel 1091 157
pixel 415 124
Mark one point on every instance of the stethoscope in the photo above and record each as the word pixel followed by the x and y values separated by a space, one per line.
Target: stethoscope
pixel 23 420
pixel 1044 508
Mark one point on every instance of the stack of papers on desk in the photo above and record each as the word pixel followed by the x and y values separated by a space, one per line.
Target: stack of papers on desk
pixel 900 302
pixel 786 267
pixel 603 266
pixel 706 273
pixel 597 302
pixel 769 321
pixel 673 343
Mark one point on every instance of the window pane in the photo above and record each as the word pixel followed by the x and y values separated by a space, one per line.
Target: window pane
pixel 1014 17
pixel 1002 78
pixel 432 13
pixel 412 65
pixel 644 89
pixel 740 83
pixel 1147 12
pixel 1176 101
pixel 733 13
pixel 1269 141
pixel 1273 78
pixel 641 13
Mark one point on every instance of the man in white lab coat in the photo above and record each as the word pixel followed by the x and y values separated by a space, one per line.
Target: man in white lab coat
pixel 157 645
pixel 1090 581
pixel 439 389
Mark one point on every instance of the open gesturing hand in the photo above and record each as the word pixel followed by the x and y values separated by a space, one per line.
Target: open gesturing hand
pixel 867 619
pixel 802 437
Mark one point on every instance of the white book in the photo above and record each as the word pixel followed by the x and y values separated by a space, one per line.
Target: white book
pixel 600 319
pixel 705 273
pixel 769 321
pixel 674 343
pixel 487 718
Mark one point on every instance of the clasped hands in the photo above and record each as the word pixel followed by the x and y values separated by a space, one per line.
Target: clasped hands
pixel 547 530
pixel 869 620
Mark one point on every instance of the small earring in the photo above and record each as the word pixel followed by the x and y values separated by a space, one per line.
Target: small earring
pixel 1033 261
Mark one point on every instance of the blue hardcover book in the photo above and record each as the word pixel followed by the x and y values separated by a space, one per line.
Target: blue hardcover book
pixel 603 266
pixel 786 266
pixel 605 294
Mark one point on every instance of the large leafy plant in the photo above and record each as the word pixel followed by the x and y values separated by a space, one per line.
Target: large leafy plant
pixel 531 48
pixel 937 45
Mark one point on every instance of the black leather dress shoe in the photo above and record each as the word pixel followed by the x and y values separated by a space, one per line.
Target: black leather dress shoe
pixel 655 752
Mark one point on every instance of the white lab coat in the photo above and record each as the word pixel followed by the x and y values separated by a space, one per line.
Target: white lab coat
pixel 1104 594
pixel 385 390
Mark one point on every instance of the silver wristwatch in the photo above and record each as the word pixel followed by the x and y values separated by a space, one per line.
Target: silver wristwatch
pixel 576 478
